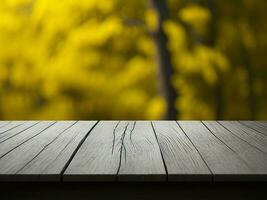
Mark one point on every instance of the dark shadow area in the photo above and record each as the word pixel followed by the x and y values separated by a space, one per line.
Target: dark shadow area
pixel 133 191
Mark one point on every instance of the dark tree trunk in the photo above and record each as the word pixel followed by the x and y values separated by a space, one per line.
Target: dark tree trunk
pixel 166 70
pixel 218 93
pixel 251 92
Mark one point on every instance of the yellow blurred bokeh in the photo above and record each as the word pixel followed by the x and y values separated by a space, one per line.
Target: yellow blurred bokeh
pixel 96 59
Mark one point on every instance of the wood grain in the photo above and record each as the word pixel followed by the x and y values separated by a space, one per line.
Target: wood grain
pixel 259 127
pixel 17 130
pixel 10 126
pixel 49 164
pixel 140 154
pixel 10 144
pixel 248 135
pixel 13 162
pixel 98 157
pixel 182 159
pixel 3 123
pixel 224 163
pixel 263 123
pixel 256 160
pixel 133 151
pixel 124 151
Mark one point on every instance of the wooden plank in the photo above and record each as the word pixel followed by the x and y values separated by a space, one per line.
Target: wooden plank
pixel 263 123
pixel 50 163
pixel 224 163
pixel 182 159
pixel 125 149
pixel 3 123
pixel 140 157
pixel 14 161
pixel 250 136
pixel 255 126
pixel 98 157
pixel 17 130
pixel 12 143
pixel 10 126
pixel 255 159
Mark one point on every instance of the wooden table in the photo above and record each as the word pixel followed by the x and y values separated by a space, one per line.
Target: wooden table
pixel 165 152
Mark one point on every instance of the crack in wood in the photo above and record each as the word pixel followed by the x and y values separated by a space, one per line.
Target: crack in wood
pixel 137 152
pixel 114 137
pixel 122 148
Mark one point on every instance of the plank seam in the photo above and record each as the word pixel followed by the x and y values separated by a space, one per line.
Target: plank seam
pixel 19 132
pixel 251 128
pixel 212 175
pixel 261 124
pixel 75 151
pixel 227 146
pixel 162 157
pixel 45 147
pixel 12 128
pixel 27 140
pixel 60 153
pixel 242 139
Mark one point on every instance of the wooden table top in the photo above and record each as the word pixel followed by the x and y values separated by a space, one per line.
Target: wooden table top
pixel 182 151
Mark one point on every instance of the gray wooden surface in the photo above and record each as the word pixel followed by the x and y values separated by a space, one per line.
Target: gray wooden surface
pixel 17 130
pixel 98 158
pixel 3 123
pixel 221 159
pixel 141 158
pixel 257 126
pixel 52 160
pixel 253 137
pixel 9 126
pixel 133 151
pixel 255 159
pixel 182 159
pixel 15 161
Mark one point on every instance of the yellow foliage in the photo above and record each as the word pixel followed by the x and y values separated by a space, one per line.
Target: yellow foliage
pixel 155 108
pixel 146 46
pixel 196 16
pixel 151 19
pixel 72 59
pixel 211 62
pixel 176 34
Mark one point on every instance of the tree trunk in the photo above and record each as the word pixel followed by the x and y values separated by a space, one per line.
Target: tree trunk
pixel 251 92
pixel 166 70
pixel 218 93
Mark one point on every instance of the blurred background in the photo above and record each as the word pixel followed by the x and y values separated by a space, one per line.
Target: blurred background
pixel 135 59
